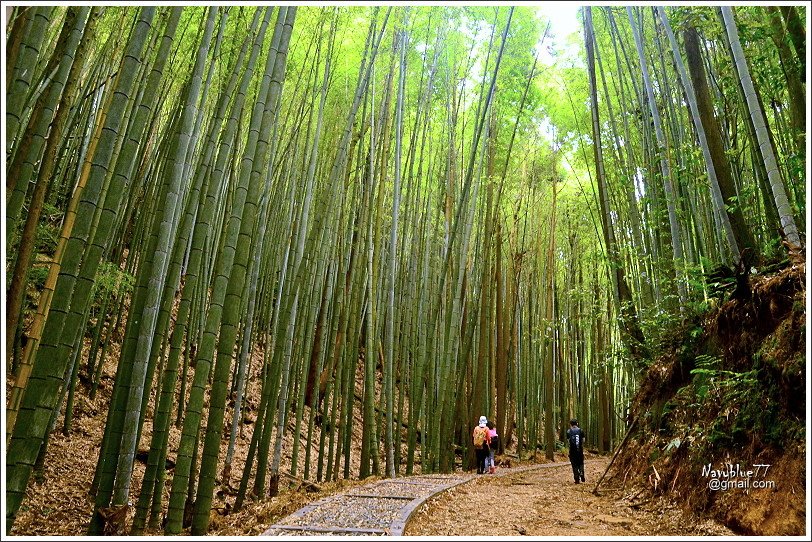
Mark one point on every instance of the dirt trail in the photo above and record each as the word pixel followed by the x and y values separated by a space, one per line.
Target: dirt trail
pixel 546 502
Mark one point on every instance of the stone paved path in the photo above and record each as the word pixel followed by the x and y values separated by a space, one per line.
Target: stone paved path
pixel 379 508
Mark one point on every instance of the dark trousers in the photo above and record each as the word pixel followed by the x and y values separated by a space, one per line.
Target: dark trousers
pixel 577 462
pixel 481 454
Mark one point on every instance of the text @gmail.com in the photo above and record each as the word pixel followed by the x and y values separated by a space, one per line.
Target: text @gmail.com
pixel 736 476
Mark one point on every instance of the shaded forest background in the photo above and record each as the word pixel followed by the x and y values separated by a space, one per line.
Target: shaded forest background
pixel 312 244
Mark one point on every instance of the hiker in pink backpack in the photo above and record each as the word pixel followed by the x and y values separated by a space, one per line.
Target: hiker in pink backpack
pixel 493 444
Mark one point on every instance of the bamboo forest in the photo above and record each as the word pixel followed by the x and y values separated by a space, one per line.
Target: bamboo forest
pixel 259 258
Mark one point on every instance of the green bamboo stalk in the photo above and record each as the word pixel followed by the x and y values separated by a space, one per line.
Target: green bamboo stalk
pixel 30 431
pixel 191 420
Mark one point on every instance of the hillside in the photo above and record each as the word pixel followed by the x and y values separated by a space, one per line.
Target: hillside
pixel 728 399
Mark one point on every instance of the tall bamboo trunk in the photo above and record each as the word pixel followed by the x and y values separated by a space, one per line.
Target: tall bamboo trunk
pixel 785 212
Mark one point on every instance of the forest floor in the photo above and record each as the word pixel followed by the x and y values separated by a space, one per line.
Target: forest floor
pixel 58 500
pixel 546 502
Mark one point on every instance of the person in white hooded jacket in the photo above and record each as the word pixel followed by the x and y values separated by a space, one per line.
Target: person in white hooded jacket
pixel 481 444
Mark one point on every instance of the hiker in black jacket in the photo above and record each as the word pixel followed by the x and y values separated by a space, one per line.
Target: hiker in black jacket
pixel 575 436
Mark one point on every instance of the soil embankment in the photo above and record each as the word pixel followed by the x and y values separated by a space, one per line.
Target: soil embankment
pixel 719 421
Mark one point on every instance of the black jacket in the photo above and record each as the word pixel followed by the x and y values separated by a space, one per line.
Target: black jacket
pixel 576 436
